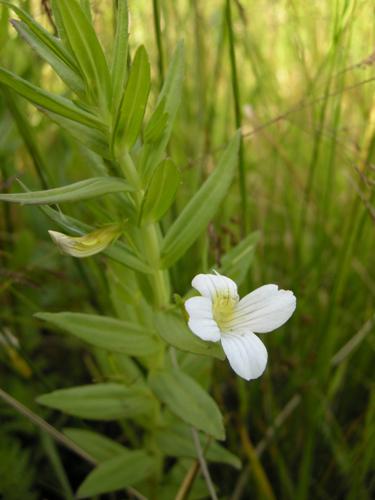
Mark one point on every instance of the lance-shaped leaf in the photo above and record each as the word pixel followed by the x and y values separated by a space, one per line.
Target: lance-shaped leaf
pixel 159 127
pixel 176 440
pixel 98 446
pixel 135 99
pixel 156 125
pixel 49 41
pixel 48 47
pixel 185 398
pixel 82 190
pixel 175 332
pixel 92 138
pixel 86 48
pixel 201 208
pixel 160 192
pixel 101 401
pixel 65 72
pixel 120 53
pixel 237 261
pixel 119 472
pixel 105 332
pixel 48 101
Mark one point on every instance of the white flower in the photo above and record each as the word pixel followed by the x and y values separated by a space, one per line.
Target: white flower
pixel 220 315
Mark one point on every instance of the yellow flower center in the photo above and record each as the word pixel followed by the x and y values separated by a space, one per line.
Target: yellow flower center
pixel 223 310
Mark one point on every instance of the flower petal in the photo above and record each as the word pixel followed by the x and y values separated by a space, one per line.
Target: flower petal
pixel 264 309
pixel 210 285
pixel 246 354
pixel 201 321
pixel 199 308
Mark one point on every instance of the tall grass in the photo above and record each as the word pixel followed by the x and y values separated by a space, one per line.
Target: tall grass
pixel 296 77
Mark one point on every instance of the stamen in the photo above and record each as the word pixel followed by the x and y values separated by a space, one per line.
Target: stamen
pixel 223 309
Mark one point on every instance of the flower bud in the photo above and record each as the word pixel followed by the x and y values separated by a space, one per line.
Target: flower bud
pixel 89 244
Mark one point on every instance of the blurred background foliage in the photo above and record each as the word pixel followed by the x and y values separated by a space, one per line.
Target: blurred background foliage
pixel 303 81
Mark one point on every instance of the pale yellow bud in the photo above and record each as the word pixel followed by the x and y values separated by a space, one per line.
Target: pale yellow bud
pixel 89 244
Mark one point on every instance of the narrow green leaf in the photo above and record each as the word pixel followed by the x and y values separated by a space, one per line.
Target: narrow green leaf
pixel 160 192
pixel 98 446
pixel 117 473
pixel 27 133
pixel 133 105
pixel 176 441
pixel 118 251
pixel 164 115
pixel 92 138
pixel 70 77
pixel 237 261
pixel 101 401
pixel 156 125
pixel 4 19
pixel 86 48
pixel 50 449
pixel 85 5
pixel 48 40
pixel 201 208
pixel 125 255
pixel 105 332
pixel 186 399
pixel 46 100
pixel 120 53
pixel 171 90
pixel 60 26
pixel 82 190
pixel 176 333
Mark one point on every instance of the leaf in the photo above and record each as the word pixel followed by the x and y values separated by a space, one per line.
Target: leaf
pixel 237 261
pixel 155 127
pixel 176 440
pixel 99 447
pixel 160 192
pixel 49 41
pixel 186 399
pixel 135 99
pixel 27 133
pixel 117 473
pixel 105 332
pixel 126 256
pixel 86 49
pixel 176 333
pixel 51 102
pixel 167 104
pixel 201 208
pixel 120 53
pixel 69 76
pixel 92 138
pixel 60 25
pixel 82 190
pixel 105 401
pixel 118 251
pixel 85 5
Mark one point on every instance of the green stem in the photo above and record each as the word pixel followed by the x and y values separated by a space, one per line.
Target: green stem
pixel 150 234
pixel 156 9
pixel 237 114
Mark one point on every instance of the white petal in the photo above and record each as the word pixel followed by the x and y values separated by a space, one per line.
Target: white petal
pixel 199 308
pixel 246 354
pixel 209 285
pixel 201 322
pixel 264 309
